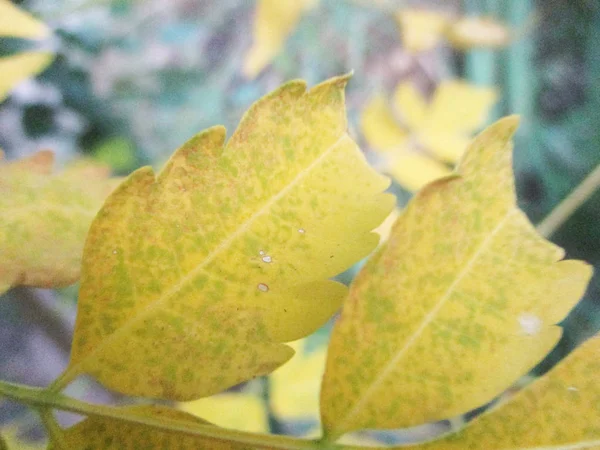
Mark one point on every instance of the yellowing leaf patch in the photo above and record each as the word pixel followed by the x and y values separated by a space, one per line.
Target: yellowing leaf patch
pixel 459 303
pixel 561 411
pixel 422 139
pixel 192 279
pixel 44 219
pixel 274 21
pixel 104 433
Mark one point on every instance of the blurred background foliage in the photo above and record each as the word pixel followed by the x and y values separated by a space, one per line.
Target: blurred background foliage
pixel 133 79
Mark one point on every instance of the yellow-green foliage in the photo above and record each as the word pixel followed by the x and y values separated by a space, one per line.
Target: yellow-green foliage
pixel 44 218
pixel 194 279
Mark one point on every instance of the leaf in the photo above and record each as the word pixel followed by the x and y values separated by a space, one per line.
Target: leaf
pixel 104 433
pixel 380 127
pixel 238 411
pixel 413 170
pixel 561 411
pixel 477 32
pixel 295 385
pixel 17 23
pixel 44 219
pixel 420 139
pixel 460 302
pixel 274 21
pixel 16 68
pixel 192 280
pixel 421 29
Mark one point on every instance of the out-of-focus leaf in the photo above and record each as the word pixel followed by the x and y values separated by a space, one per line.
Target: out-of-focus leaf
pixel 17 23
pixel 103 433
pixel 273 22
pixel 117 152
pixel 477 32
pixel 459 303
pixel 16 68
pixel 560 411
pixel 413 170
pixel 421 29
pixel 422 139
pixel 379 126
pixel 227 252
pixel 295 385
pixel 236 410
pixel 44 219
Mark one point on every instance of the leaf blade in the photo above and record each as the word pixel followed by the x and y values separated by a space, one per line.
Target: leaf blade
pixel 220 257
pixel 419 347
pixel 44 218
pixel 105 433
pixel 560 410
pixel 16 68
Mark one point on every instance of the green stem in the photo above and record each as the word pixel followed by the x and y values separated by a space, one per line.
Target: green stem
pixel 55 432
pixel 570 204
pixel 44 401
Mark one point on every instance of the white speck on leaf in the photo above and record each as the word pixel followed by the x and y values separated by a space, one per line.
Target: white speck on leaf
pixel 530 323
pixel 572 389
pixel 263 287
pixel 267 259
pixel 261 252
pixel 301 230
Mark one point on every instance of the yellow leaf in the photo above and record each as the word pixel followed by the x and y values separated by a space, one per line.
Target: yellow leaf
pixel 410 105
pixel 295 385
pixel 445 146
pixel 274 21
pixel 380 128
pixel 561 411
pixel 459 303
pixel 44 219
pixel 104 433
pixel 476 32
pixel 238 411
pixel 19 67
pixel 421 29
pixel 459 107
pixel 16 23
pixel 191 280
pixel 413 170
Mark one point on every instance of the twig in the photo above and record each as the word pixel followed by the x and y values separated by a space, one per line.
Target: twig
pixel 570 204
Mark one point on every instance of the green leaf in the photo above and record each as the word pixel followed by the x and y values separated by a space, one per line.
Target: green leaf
pixel 561 411
pixel 459 303
pixel 193 279
pixel 104 433
pixel 44 219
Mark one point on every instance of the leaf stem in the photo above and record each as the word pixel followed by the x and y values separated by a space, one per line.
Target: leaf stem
pixel 44 401
pixel 569 204
pixel 55 432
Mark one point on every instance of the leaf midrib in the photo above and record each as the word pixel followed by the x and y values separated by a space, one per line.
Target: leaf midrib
pixel 75 370
pixel 391 365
